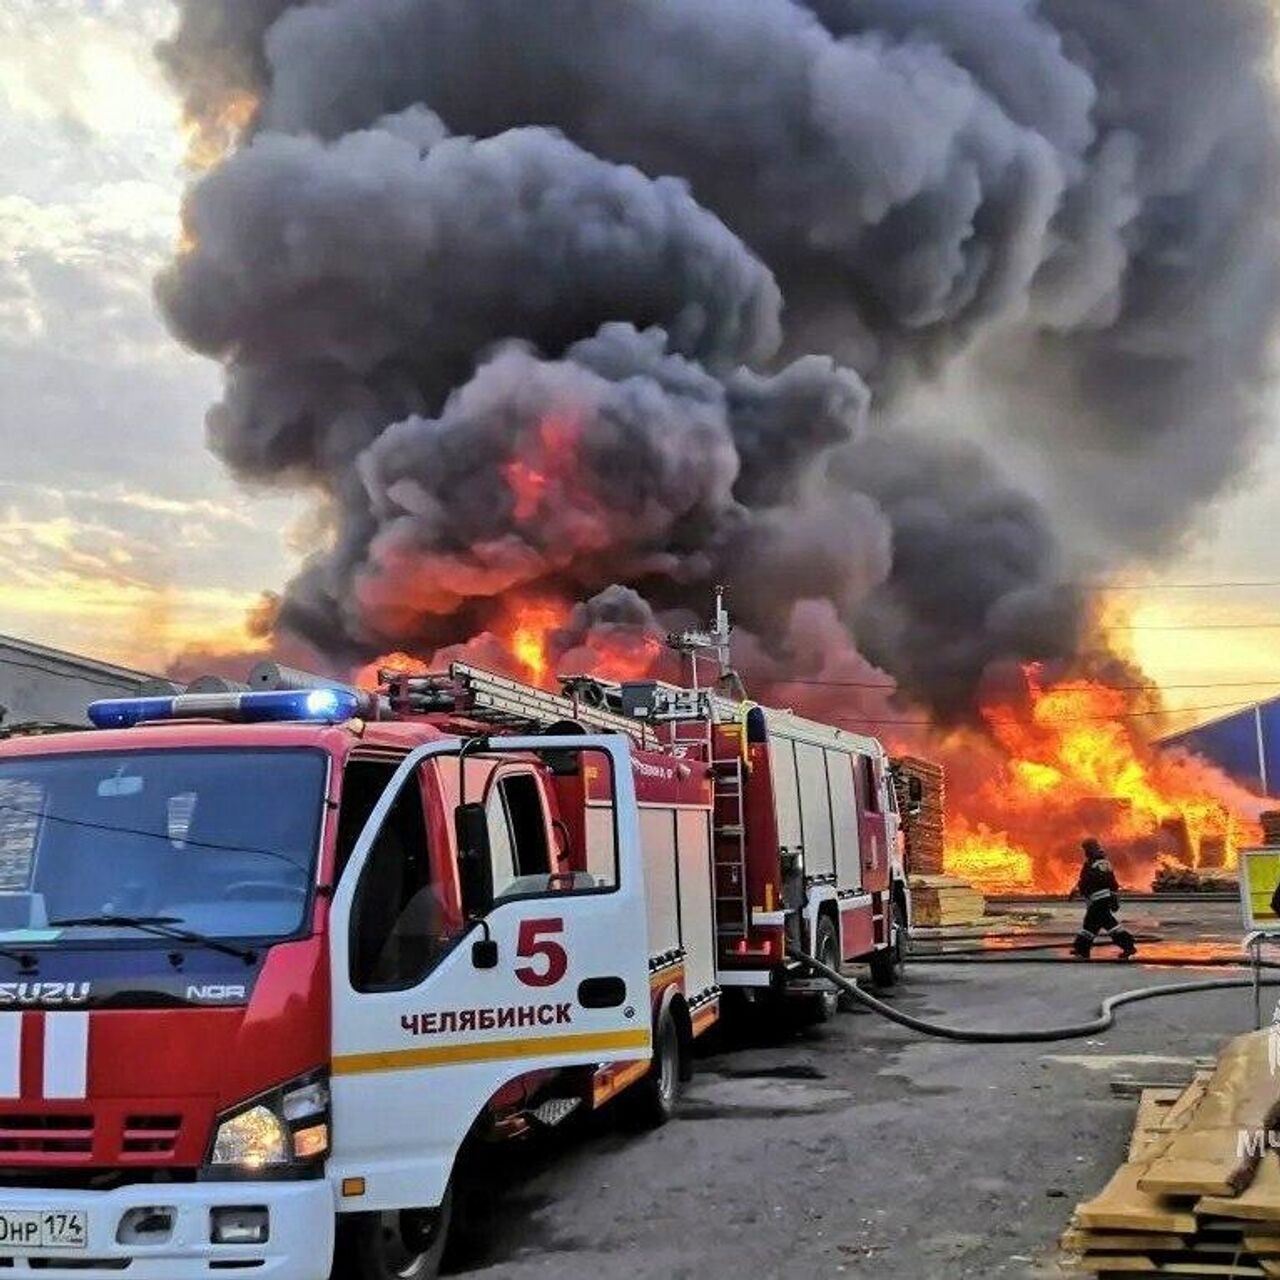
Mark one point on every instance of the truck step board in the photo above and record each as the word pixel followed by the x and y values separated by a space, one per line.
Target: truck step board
pixel 555 1111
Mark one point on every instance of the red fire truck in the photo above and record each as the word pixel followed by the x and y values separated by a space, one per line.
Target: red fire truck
pixel 269 961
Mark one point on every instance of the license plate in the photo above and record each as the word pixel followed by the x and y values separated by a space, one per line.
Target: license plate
pixel 43 1229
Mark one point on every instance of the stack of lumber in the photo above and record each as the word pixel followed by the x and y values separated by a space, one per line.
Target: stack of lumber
pixel 938 901
pixel 1194 1197
pixel 925 832
pixel 1271 826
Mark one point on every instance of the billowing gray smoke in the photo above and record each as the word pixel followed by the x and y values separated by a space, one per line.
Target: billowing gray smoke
pixel 530 293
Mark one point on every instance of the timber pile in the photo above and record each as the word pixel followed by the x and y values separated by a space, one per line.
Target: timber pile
pixel 1193 1198
pixel 937 901
pixel 1271 827
pixel 926 831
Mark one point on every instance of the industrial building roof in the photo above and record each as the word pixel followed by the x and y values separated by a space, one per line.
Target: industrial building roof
pixel 93 665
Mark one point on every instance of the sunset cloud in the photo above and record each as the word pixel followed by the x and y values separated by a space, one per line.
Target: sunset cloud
pixel 119 536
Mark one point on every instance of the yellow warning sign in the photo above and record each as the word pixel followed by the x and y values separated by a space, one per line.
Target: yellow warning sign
pixel 1259 880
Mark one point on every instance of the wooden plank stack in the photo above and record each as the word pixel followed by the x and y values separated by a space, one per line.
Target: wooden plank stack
pixel 1194 1197
pixel 926 831
pixel 1271 827
pixel 938 901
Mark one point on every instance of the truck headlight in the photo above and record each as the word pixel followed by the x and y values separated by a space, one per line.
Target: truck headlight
pixel 252 1140
pixel 281 1131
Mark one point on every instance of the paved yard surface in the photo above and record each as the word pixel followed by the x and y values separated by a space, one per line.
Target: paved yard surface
pixel 860 1149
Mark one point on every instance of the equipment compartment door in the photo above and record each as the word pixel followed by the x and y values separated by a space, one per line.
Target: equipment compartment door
pixel 872 838
pixel 423 1040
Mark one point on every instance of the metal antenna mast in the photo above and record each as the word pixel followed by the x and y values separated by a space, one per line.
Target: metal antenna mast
pixel 713 643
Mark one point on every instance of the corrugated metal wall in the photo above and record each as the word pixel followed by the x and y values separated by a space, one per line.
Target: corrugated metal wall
pixel 1245 745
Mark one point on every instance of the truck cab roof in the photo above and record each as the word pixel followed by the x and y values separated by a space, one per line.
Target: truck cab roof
pixel 335 739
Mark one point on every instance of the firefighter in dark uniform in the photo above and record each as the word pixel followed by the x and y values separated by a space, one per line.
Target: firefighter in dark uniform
pixel 1101 892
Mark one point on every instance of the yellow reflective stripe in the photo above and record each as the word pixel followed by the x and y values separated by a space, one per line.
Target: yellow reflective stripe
pixel 352 1064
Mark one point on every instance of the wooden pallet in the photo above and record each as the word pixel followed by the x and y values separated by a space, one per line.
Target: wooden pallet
pixel 1191 1200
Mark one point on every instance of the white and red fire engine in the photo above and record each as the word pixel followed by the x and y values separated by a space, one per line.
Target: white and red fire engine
pixel 270 960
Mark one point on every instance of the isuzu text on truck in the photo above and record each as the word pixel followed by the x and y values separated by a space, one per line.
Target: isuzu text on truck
pixel 269 961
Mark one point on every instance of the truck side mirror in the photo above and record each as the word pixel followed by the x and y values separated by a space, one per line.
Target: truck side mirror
pixel 475 867
pixel 915 795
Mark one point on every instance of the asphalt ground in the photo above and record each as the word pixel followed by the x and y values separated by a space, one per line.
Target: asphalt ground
pixel 861 1149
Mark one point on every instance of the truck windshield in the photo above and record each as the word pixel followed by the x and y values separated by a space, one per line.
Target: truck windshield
pixel 221 842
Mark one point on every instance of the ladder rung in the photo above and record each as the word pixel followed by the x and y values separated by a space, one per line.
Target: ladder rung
pixel 730 829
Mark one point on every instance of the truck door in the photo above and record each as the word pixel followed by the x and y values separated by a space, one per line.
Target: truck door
pixel 424 1032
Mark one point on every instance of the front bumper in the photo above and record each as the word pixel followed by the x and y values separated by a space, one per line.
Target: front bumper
pixel 299 1247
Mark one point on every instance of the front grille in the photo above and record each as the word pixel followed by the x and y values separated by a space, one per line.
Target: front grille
pixel 92 1178
pixel 64 1135
pixel 146 1135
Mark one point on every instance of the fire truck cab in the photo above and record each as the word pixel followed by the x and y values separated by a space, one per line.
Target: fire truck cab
pixel 270 961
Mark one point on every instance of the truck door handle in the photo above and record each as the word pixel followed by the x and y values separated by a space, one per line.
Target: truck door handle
pixel 601 993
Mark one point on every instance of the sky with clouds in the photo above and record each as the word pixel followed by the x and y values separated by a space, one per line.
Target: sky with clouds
pixel 119 535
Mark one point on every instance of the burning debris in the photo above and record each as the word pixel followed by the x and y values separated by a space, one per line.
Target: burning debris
pixel 569 311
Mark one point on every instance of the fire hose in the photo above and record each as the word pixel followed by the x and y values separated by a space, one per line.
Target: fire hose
pixel 1104 1021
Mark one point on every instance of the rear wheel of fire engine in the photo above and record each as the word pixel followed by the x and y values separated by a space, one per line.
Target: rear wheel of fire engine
pixel 408 1244
pixel 653 1099
pixel 826 950
pixel 889 965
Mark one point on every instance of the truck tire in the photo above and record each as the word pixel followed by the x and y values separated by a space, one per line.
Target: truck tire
pixel 652 1101
pixel 888 965
pixel 826 949
pixel 408 1244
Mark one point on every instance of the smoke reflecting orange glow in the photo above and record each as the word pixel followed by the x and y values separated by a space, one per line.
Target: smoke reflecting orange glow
pixel 210 138
pixel 547 465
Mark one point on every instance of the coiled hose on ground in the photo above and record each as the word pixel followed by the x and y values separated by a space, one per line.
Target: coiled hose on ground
pixel 1036 1035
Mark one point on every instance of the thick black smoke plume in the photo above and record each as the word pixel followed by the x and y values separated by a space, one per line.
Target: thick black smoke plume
pixel 532 292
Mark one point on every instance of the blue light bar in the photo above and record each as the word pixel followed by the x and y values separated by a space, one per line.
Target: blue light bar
pixel 326 705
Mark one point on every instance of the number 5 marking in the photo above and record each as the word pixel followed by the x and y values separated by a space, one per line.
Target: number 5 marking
pixel 531 944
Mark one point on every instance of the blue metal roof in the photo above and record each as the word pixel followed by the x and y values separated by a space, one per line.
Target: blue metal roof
pixel 1244 744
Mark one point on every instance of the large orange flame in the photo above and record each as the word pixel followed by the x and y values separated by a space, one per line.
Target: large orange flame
pixel 367 677
pixel 1075 760
pixel 531 624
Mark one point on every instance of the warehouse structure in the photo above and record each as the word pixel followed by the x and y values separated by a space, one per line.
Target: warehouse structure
pixel 1244 744
pixel 47 686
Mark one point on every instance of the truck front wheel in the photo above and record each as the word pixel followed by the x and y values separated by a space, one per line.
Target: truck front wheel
pixel 405 1244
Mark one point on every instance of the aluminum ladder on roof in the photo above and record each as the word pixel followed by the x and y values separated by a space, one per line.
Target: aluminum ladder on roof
pixel 509 704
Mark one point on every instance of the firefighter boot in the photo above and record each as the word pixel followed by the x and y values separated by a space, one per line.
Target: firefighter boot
pixel 1082 946
pixel 1124 940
